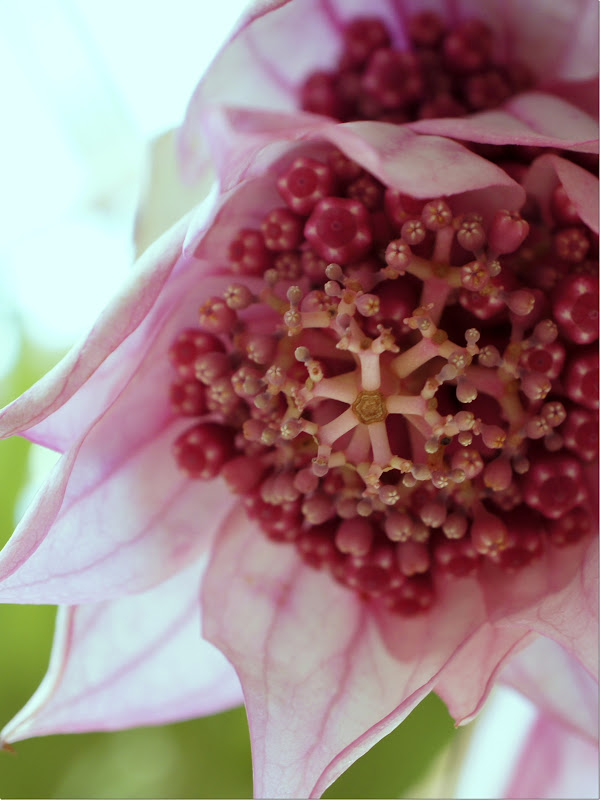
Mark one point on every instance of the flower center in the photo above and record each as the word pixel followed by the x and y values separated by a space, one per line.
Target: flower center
pixel 369 407
pixel 409 394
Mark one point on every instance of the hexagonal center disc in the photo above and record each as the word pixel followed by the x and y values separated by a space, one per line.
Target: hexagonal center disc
pixel 369 407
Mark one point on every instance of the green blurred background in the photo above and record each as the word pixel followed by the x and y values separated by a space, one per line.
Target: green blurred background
pixel 202 758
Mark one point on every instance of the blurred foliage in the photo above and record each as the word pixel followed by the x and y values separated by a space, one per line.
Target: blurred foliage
pixel 202 758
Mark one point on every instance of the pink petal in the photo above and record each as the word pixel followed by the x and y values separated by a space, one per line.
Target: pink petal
pixel 305 651
pixel 246 144
pixel 469 678
pixel 324 678
pixel 132 335
pixel 583 94
pixel 561 688
pixel 532 118
pixel 580 185
pixel 120 476
pixel 139 660
pixel 99 529
pixel 556 597
pixel 118 328
pixel 555 763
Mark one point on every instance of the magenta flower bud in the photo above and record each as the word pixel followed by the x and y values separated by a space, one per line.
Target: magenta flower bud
pixel 413 232
pixel 188 346
pixel 354 536
pixel 468 47
pixel 188 397
pixel 507 232
pixel 571 244
pixel 367 191
pixel 497 475
pixel 398 527
pixel 339 230
pixel 393 78
pixel 243 473
pixel 493 436
pixel 202 451
pixel 489 534
pixel 471 236
pixel 319 94
pixel 436 215
pixel 469 461
pixel 248 254
pixel 455 526
pixel 413 558
pixel 535 385
pixel 571 527
pixel 580 433
pixel 210 366
pixel 575 306
pixel 216 316
pixel 426 28
pixel 237 296
pixel 361 37
pixel 260 347
pixel 400 207
pixel 544 359
pixel 305 184
pixel 281 229
pixel 487 89
pixel 458 558
pixel 581 378
pixel 398 255
pixel 554 485
pixel 521 302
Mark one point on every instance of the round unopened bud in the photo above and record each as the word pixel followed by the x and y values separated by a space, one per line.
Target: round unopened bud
pixel 521 302
pixel 535 385
pixel 334 272
pixel 507 232
pixel 465 391
pixel 498 474
pixel 302 354
pixel 455 526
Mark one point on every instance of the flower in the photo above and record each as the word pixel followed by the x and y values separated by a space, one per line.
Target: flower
pixel 334 581
pixel 392 375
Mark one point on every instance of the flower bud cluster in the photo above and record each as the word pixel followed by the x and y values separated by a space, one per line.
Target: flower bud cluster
pixel 444 71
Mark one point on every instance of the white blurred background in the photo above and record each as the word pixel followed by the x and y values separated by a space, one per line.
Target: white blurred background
pixel 86 86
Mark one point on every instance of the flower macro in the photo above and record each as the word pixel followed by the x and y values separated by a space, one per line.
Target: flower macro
pixel 351 398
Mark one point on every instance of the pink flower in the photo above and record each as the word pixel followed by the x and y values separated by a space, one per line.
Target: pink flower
pixel 487 73
pixel 358 564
